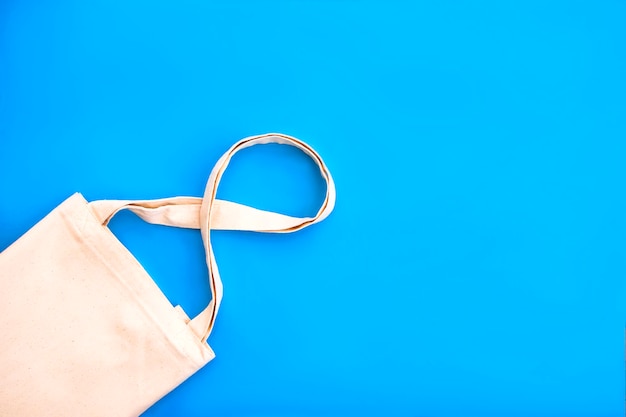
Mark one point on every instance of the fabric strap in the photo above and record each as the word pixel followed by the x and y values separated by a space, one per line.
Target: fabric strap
pixel 211 213
pixel 185 212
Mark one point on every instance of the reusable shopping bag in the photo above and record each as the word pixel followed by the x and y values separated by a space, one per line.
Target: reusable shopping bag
pixel 84 330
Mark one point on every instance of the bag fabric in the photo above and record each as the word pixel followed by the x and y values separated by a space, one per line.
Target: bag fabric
pixel 85 331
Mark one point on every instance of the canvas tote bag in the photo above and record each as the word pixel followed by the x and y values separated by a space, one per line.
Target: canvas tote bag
pixel 84 330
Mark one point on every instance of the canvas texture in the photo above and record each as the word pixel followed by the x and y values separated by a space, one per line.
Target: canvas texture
pixel 84 328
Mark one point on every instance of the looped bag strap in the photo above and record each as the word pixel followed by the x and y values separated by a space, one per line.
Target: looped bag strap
pixel 211 213
pixel 185 212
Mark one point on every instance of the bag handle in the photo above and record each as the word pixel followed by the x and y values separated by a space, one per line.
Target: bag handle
pixel 211 213
pixel 185 212
pixel 206 319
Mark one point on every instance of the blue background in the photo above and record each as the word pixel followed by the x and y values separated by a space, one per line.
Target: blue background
pixel 475 264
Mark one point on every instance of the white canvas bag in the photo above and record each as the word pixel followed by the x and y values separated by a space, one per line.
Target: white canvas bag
pixel 84 330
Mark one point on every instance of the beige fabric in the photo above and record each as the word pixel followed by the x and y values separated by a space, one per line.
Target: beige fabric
pixel 84 329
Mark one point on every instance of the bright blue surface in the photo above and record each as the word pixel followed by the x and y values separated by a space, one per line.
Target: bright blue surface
pixel 475 264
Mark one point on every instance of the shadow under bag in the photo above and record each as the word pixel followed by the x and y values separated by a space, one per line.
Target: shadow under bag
pixel 84 330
